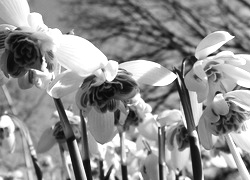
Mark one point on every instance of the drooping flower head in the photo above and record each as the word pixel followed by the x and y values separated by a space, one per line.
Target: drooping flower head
pixel 226 114
pixel 107 96
pixel 106 90
pixel 7 133
pixel 26 42
pixel 221 72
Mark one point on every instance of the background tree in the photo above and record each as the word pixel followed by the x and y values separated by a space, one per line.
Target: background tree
pixel 164 31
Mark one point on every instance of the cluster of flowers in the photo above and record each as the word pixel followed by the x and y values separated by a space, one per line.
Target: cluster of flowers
pixel 108 95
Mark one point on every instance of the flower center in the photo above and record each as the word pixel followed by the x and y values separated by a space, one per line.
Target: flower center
pixel 22 53
pixel 107 96
pixel 212 73
pixel 182 137
pixel 233 121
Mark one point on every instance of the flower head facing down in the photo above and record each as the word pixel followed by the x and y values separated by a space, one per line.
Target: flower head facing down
pixel 106 97
pixel 221 72
pixel 27 42
pixel 106 89
pixel 21 54
pixel 7 133
pixel 226 114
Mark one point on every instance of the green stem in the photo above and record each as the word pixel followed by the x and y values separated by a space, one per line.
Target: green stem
pixel 85 148
pixel 193 136
pixel 101 170
pixel 123 156
pixel 64 162
pixel 237 158
pixel 71 142
pixel 26 139
pixel 161 156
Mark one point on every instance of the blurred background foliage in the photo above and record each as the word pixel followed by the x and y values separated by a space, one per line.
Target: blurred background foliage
pixel 164 31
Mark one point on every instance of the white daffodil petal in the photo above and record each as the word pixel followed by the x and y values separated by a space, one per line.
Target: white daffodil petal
pixel 246 67
pixel 35 20
pixel 46 141
pixel 179 159
pixel 228 57
pixel 204 135
pixel 240 76
pixel 8 144
pixel 148 128
pixel 199 71
pixel 211 43
pixel 241 98
pixel 110 71
pixel 219 105
pixel 6 122
pixel 101 126
pixel 80 55
pixel 169 117
pixel 148 72
pixel 196 107
pixel 15 12
pixel 242 140
pixel 93 145
pixel 194 83
pixel 4 31
pixel 64 84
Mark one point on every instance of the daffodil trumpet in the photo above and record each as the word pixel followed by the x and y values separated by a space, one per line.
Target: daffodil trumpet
pixel 193 136
pixel 71 142
pixel 85 148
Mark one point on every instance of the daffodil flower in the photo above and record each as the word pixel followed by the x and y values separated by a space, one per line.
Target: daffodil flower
pixel 7 134
pixel 26 43
pixel 55 134
pixel 221 72
pixel 177 139
pixel 103 91
pixel 227 113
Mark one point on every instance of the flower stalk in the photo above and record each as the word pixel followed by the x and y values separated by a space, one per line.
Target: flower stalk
pixel 85 148
pixel 27 142
pixel 237 158
pixel 161 151
pixel 101 170
pixel 71 142
pixel 64 162
pixel 193 136
pixel 123 155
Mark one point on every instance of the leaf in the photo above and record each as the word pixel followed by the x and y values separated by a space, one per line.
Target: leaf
pixel 148 72
pixel 211 43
